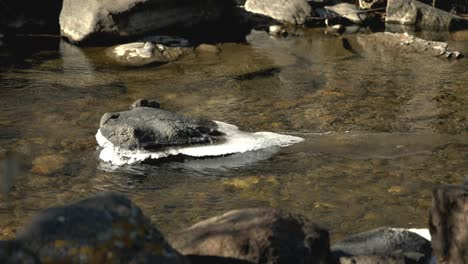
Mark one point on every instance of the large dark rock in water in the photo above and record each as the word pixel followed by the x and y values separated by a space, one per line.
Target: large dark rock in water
pixel 12 252
pixel 289 11
pixel 415 13
pixel 448 224
pixel 386 242
pixel 147 127
pixel 261 235
pixel 106 228
pixel 91 19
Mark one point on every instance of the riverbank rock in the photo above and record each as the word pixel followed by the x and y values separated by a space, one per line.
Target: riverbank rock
pixel 99 20
pixel 260 235
pixel 106 228
pixel 153 128
pixel 289 11
pixel 415 13
pixel 408 44
pixel 370 4
pixel 385 242
pixel 448 224
pixel 144 53
pixel 342 10
pixel 12 252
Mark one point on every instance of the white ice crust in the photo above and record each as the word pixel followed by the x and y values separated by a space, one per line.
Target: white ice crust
pixel 236 142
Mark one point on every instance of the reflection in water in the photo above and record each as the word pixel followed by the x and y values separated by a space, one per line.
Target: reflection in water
pixel 381 129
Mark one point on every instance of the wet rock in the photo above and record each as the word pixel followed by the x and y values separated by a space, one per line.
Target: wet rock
pixel 207 48
pixel 106 228
pixel 90 19
pixel 152 128
pixel 289 11
pixel 372 260
pixel 411 44
pixel 370 4
pixel 261 235
pixel 48 164
pixel 448 224
pixel 145 103
pixel 12 252
pixel 342 10
pixel 387 242
pixel 277 31
pixel 415 13
pixel 143 53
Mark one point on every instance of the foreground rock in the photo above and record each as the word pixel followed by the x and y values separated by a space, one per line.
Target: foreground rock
pixel 143 53
pixel 410 44
pixel 261 235
pixel 415 13
pixel 389 244
pixel 289 11
pixel 448 224
pixel 91 19
pixel 146 127
pixel 107 228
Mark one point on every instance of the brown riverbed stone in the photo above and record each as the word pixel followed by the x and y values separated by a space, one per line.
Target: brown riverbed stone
pixel 48 164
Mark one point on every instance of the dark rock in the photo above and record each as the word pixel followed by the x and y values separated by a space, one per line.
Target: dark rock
pixel 143 53
pixel 89 19
pixel 145 103
pixel 289 11
pixel 106 228
pixel 261 235
pixel 411 12
pixel 151 128
pixel 12 252
pixel 385 242
pixel 448 224
pixel 372 260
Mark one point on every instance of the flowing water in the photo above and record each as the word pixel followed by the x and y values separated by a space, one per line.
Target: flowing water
pixel 381 129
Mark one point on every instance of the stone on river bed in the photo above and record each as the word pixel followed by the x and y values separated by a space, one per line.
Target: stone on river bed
pixel 144 133
pixel 106 228
pixel 256 235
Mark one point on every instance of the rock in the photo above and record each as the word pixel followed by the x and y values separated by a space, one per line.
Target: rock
pixel 207 48
pixel 342 10
pixel 387 242
pixel 91 19
pixel 144 103
pixel 411 44
pixel 12 252
pixel 277 31
pixel 289 11
pixel 143 53
pixel 48 164
pixel 106 228
pixel 372 260
pixel 448 223
pixel 370 4
pixel 415 13
pixel 152 128
pixel 167 41
pixel 260 235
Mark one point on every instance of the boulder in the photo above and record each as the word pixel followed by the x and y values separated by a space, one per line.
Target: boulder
pixel 82 20
pixel 255 235
pixel 342 10
pixel 448 224
pixel 144 53
pixel 387 242
pixel 415 13
pixel 151 128
pixel 12 252
pixel 289 11
pixel 106 228
pixel 370 4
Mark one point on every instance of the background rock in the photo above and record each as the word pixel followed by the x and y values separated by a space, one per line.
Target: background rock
pixel 260 235
pixel 106 228
pixel 290 11
pixel 448 224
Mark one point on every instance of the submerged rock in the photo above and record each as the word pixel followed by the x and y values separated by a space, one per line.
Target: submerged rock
pixel 152 128
pixel 90 19
pixel 289 11
pixel 415 13
pixel 106 228
pixel 386 242
pixel 448 223
pixel 143 53
pixel 261 235
pixel 12 252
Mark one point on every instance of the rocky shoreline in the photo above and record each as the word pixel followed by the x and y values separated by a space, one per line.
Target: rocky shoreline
pixel 109 228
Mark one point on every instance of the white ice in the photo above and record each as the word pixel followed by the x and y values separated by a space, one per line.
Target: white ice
pixel 236 142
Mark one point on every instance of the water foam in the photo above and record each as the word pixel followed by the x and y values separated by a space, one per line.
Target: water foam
pixel 236 142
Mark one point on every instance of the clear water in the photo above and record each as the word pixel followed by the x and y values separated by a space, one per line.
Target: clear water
pixel 381 129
